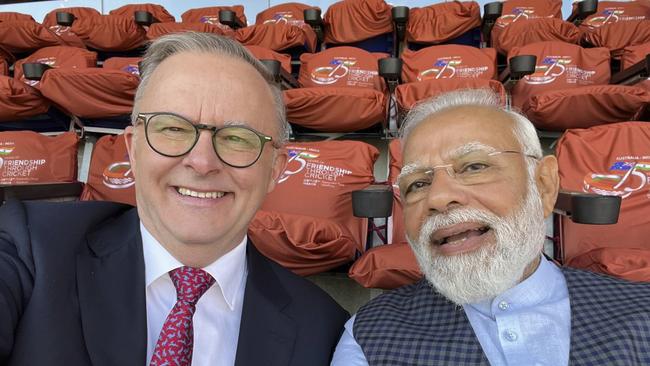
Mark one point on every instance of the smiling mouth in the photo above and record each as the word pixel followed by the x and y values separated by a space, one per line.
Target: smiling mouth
pixel 198 194
pixel 460 237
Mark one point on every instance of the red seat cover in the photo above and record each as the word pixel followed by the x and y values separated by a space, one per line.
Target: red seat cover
pixel 287 13
pixel 65 32
pixel 19 36
pixel 109 175
pixel 278 37
pixel 609 160
pixel 19 100
pixel 306 223
pixel 56 57
pixel 110 32
pixel 158 11
pixel 386 267
pixel 210 15
pixel 617 36
pixel 160 29
pixel 409 94
pixel 28 157
pixel 92 92
pixel 442 22
pixel 449 61
pixel 263 53
pixel 525 32
pixel 350 21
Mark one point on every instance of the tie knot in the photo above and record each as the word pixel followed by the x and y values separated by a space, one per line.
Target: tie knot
pixel 191 283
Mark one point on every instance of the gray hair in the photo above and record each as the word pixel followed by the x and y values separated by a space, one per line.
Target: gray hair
pixel 172 44
pixel 524 130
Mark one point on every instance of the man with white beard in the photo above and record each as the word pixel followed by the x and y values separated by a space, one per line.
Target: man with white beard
pixel 476 189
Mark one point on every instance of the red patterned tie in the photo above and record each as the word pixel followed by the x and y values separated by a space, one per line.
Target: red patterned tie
pixel 174 346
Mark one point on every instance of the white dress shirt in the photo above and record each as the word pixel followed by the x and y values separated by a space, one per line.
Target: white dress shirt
pixel 530 324
pixel 218 311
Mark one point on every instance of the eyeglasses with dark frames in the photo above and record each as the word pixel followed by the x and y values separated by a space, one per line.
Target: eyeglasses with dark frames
pixel 172 135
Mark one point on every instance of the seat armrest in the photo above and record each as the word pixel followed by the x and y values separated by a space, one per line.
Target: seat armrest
pixel 584 9
pixel 34 71
pixel 229 18
pixel 286 80
pixel 633 74
pixel 390 68
pixel 518 67
pixel 315 21
pixel 491 12
pixel 587 208
pixel 373 201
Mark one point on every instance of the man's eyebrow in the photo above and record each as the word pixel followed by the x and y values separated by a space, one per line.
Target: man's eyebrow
pixel 236 123
pixel 408 169
pixel 470 147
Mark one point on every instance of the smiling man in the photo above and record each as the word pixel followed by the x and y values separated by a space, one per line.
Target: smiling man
pixel 475 190
pixel 175 281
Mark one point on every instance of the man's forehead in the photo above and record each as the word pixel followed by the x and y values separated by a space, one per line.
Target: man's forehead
pixel 422 162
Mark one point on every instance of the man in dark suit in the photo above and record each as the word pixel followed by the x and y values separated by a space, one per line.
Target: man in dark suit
pixel 174 281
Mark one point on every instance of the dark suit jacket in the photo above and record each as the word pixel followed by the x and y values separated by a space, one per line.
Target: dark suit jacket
pixel 72 292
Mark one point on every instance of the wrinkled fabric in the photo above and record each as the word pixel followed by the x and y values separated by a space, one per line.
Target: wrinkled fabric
pixel 335 109
pixel 6 16
pixel 409 94
pixel 632 55
pixel 210 15
pixel 523 10
pixel 19 100
pixel 610 12
pixel 609 160
pixel 278 37
pixel 56 57
pixel 341 67
pixel 288 13
pixel 449 61
pixel 350 21
pixel 586 106
pixel 110 33
pixel 65 32
pixel 28 157
pixel 92 92
pixel 109 176
pixel 306 222
pixel 19 36
pixel 263 53
pixel 526 32
pixel 441 22
pixel 386 267
pixel 158 11
pixel 560 66
pixel 617 36
pixel 126 64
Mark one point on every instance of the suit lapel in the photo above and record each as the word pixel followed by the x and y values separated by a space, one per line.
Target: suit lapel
pixel 266 335
pixel 110 280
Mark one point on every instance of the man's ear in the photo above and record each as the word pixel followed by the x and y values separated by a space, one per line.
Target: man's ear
pixel 279 165
pixel 129 139
pixel 548 182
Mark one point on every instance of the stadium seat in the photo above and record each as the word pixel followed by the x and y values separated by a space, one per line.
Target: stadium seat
pixel 59 22
pixel 437 69
pixel 6 60
pixel 56 57
pixel 341 91
pixel 617 36
pixel 263 53
pixel 449 22
pixel 609 160
pixel 21 35
pixel 569 88
pixel 109 175
pixel 281 28
pixel 391 265
pixel 522 22
pixel 210 15
pixel 365 24
pixel 160 29
pixel 611 12
pixel 34 166
pixel 306 223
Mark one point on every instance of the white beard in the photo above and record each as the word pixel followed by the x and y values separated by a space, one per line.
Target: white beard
pixel 491 269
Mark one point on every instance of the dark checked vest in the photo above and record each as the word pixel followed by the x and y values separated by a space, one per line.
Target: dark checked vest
pixel 415 326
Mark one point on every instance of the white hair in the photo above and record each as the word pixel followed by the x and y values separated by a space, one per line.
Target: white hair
pixel 524 130
pixel 175 43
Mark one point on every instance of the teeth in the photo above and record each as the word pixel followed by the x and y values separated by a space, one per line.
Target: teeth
pixel 191 193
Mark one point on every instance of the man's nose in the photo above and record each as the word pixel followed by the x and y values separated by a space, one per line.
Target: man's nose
pixel 445 192
pixel 202 158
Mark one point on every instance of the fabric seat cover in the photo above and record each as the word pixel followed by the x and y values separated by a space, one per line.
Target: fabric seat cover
pixel 442 22
pixel 350 21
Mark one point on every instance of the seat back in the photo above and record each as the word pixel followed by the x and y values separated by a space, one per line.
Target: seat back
pixel 443 22
pixel 341 67
pixel 560 66
pixel 614 160
pixel 56 57
pixel 449 61
pixel 109 175
pixel 610 12
pixel 210 15
pixel 306 223
pixel 287 13
pixel 158 11
pixel 28 157
pixel 351 21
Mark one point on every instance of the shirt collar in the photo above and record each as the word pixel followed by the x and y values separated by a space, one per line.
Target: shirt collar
pixel 228 271
pixel 544 285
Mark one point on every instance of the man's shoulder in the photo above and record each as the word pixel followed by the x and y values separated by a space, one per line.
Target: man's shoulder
pixel 22 220
pixel 587 287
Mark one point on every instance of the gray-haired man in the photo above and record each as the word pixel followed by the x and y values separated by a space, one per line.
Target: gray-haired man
pixel 175 281
pixel 476 189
